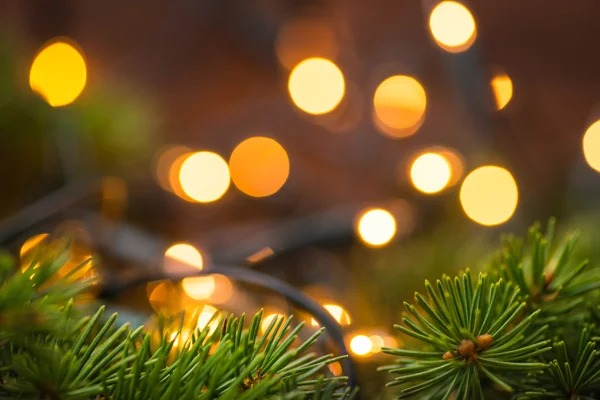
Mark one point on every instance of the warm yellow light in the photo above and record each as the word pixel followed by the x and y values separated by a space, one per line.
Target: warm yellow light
pixel 163 296
pixel 204 176
pixel 389 341
pixel 316 85
pixel 31 243
pixel 260 255
pixel 335 368
pixel 199 287
pixel 489 195
pixel 259 166
pixel 399 104
pixel 337 312
pixel 430 173
pixel 455 161
pixel 58 74
pixel 591 146
pixel 376 227
pixel 223 289
pixel 361 345
pixel 182 253
pixel 165 172
pixel 266 322
pixel 207 318
pixel 452 26
pixel 377 343
pixel 503 90
pixel 173 180
pixel 175 336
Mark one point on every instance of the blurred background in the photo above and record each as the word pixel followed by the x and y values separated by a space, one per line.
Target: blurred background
pixel 349 149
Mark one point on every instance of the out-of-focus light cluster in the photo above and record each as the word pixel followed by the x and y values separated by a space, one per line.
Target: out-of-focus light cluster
pixel 337 312
pixel 430 173
pixel 376 227
pixel 503 90
pixel 259 166
pixel 489 195
pixel 365 345
pixel 58 73
pixel 78 265
pixel 195 318
pixel 199 287
pixel 215 288
pixel 399 106
pixel 591 146
pixel 200 177
pixel 167 296
pixel 452 26
pixel 316 85
pixel 181 258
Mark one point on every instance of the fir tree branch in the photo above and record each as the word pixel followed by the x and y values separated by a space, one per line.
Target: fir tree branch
pixel 471 329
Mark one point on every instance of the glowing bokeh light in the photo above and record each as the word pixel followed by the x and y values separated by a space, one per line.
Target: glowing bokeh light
pixel 204 176
pixel 489 195
pixel 399 103
pixel 223 289
pixel 335 369
pixel 337 312
pixel 199 287
pixel 376 227
pixel 174 182
pixel 175 336
pixel 390 341
pixel 182 255
pixel 316 86
pixel 32 243
pixel 259 166
pixel 260 255
pixel 208 318
pixel 430 173
pixel 266 322
pixel 503 90
pixel 456 163
pixel 591 146
pixel 452 26
pixel 58 73
pixel 361 345
pixel 377 343
pixel 164 296
pixel 165 172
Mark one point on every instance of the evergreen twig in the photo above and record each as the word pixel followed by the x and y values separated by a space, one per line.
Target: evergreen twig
pixel 499 334
pixel 90 357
